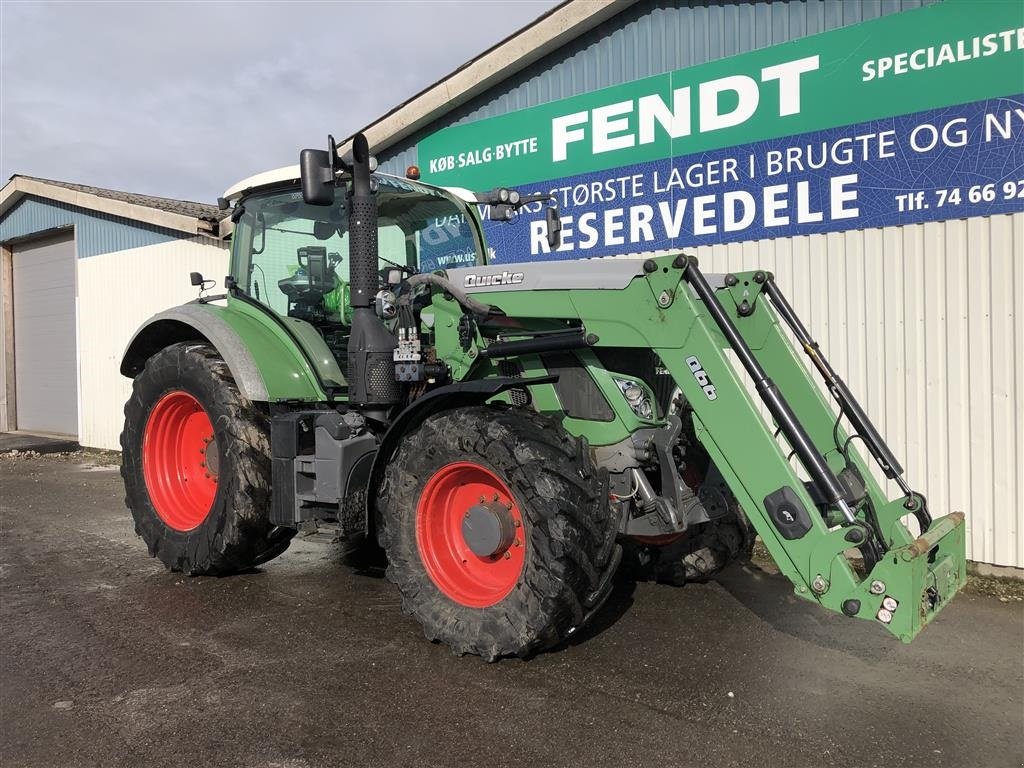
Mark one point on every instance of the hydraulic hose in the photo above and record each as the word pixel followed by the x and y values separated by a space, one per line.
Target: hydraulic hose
pixel 428 278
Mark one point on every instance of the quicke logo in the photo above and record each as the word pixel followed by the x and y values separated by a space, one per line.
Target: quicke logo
pixel 505 278
pixel 702 377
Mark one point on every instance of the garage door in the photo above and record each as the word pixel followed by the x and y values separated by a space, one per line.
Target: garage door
pixel 45 364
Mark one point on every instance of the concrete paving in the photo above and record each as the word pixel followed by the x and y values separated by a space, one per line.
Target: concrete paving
pixel 108 660
pixel 23 441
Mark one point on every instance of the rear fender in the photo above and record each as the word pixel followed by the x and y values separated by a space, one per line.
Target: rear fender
pixel 242 352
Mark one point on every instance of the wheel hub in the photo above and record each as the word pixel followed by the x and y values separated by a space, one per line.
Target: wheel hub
pixel 488 529
pixel 180 460
pixel 471 534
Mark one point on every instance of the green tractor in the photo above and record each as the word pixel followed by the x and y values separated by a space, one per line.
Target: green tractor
pixel 509 435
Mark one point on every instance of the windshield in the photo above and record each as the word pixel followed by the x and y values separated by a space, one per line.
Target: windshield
pixel 294 257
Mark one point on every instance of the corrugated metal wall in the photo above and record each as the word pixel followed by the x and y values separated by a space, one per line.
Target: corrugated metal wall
pixel 146 281
pixel 648 38
pixel 95 232
pixel 924 324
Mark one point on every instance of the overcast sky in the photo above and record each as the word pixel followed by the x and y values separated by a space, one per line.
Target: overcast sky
pixel 184 99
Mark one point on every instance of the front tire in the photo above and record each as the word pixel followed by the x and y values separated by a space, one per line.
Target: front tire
pixel 498 531
pixel 196 465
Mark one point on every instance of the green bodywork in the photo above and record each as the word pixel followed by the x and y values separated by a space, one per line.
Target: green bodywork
pixel 739 439
pixel 289 375
pixel 657 311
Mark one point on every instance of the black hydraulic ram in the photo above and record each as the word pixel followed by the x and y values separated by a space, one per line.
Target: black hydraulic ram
pixel 558 341
pixel 862 425
pixel 821 474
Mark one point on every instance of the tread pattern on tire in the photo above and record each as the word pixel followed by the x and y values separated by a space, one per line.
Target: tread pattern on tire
pixel 237 534
pixel 564 498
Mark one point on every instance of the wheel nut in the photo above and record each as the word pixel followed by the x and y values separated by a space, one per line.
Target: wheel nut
pixel 516 523
pixel 518 543
pixel 507 554
pixel 495 497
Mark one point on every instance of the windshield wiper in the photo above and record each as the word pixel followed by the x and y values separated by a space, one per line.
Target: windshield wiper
pixel 396 265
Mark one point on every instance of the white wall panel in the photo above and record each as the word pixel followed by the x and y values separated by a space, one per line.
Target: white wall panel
pixel 924 323
pixel 117 293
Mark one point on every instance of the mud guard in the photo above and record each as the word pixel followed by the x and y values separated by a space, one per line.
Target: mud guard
pixel 461 394
pixel 192 322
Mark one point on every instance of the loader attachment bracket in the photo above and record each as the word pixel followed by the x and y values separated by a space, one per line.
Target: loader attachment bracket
pixel 908 588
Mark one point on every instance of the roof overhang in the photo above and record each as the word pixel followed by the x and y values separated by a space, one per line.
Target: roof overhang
pixel 516 52
pixel 19 186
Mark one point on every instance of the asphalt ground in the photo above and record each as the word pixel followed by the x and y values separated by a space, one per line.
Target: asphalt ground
pixel 108 660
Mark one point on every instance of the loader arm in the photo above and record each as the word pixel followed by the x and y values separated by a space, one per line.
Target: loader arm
pixel 759 453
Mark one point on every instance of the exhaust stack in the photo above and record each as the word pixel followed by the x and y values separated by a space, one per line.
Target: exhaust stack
pixel 371 367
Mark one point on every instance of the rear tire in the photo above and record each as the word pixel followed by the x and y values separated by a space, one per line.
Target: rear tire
pixel 530 592
pixel 196 465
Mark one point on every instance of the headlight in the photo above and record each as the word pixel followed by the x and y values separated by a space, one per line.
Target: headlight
pixel 637 396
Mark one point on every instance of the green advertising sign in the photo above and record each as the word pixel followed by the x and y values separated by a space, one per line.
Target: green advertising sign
pixel 951 53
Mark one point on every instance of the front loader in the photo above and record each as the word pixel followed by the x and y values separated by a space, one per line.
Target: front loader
pixel 510 434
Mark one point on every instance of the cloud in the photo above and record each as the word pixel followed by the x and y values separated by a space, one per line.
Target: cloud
pixel 183 99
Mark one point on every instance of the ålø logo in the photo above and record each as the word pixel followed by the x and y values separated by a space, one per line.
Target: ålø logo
pixel 702 377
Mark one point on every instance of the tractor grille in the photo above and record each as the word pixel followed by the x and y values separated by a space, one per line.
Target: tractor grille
pixel 511 369
pixel 576 390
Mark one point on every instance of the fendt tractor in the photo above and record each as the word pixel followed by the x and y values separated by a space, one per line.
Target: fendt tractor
pixel 509 434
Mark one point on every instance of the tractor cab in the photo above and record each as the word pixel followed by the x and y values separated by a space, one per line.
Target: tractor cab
pixel 293 257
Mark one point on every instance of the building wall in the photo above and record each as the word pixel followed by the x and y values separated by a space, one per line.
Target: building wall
pixel 6 336
pixel 126 272
pixel 117 292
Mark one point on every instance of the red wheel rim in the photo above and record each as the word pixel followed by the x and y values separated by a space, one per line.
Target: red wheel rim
pixel 180 460
pixel 467 578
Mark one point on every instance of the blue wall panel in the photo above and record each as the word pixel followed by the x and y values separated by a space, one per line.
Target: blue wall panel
pixel 648 38
pixel 95 232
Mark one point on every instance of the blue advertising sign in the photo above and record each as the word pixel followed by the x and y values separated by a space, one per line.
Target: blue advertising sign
pixel 940 164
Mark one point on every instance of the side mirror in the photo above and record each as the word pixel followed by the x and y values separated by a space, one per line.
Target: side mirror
pixel 196 278
pixel 316 169
pixel 554 228
pixel 317 173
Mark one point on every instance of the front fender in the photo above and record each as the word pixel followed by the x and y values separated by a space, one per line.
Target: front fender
pixel 460 394
pixel 264 365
